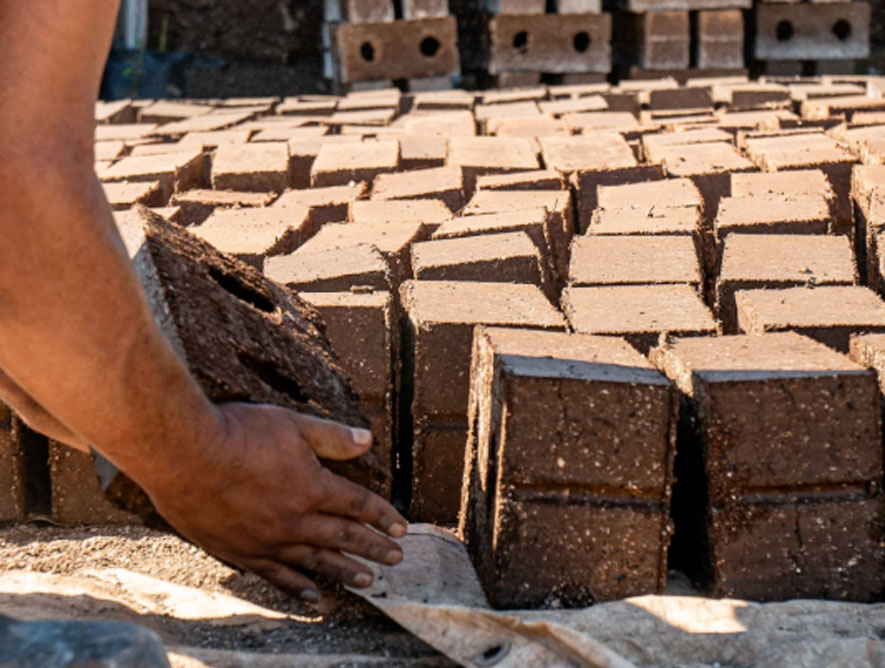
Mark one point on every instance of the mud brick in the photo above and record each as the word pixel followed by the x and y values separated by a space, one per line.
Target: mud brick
pixel 122 196
pixel 422 151
pixel 252 235
pixel 575 105
pixel 797 184
pixel 680 99
pixel 176 172
pixel 197 205
pixel 289 134
pixel 824 109
pixel 789 484
pixel 125 133
pixel 745 96
pixel 424 9
pixel 443 123
pixel 491 258
pixel 303 153
pixel 327 205
pixel 491 155
pixel 385 98
pixel 429 212
pixel 545 179
pixel 829 314
pixel 440 320
pixel 815 151
pixel 392 239
pixel 661 194
pixel 207 123
pixel 331 269
pixel 868 350
pixel 634 260
pixel 720 35
pixel 752 261
pixel 764 214
pixel 588 479
pixel 536 223
pixel 170 213
pixel 261 167
pixel 12 467
pixel 578 6
pixel 654 221
pixel 255 341
pixel 368 117
pixel 541 126
pixel 812 32
pixel 486 113
pixel 443 100
pixel 642 314
pixel 294 106
pixel 681 138
pixel 775 119
pixel 371 11
pixel 398 50
pixel 76 494
pixel 560 213
pixel 108 150
pixel 595 160
pixel 550 43
pixel 164 111
pixel 869 218
pixel 510 95
pixel 340 164
pixel 114 113
pixel 709 166
pixel 437 469
pixel 657 40
pixel 443 183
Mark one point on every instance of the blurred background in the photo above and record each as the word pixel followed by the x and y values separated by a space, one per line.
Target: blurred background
pixel 227 48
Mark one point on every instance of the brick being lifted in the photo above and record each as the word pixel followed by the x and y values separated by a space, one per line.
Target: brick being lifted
pixel 561 503
pixel 787 500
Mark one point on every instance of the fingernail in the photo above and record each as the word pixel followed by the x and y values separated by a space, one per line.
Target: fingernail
pixel 397 530
pixel 361 436
pixel 393 557
pixel 362 580
pixel 310 595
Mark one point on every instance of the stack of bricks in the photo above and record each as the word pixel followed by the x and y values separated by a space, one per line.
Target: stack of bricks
pixel 368 45
pixel 680 37
pixel 571 41
pixel 820 37
pixel 523 286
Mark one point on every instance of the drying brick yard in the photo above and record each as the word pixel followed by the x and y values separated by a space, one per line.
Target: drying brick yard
pixel 661 333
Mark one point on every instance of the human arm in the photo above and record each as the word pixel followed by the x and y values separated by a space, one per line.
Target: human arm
pixel 77 337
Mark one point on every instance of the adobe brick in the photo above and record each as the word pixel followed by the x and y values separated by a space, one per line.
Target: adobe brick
pixel 252 235
pixel 491 155
pixel 443 100
pixel 117 112
pixel 422 151
pixel 445 184
pixel 125 132
pixel 575 105
pixel 207 123
pixel 503 258
pixel 799 184
pixel 642 314
pixel 369 117
pixel 584 476
pixel 12 467
pixel 340 164
pixel 623 122
pixel 108 150
pixel 437 469
pixel 829 314
pixel 753 261
pixel 720 35
pixel 367 11
pixel 197 205
pixel 789 484
pixel 261 167
pixel 544 179
pixel 634 260
pixel 77 497
pixel 540 126
pixel 443 123
pixel 122 196
pixel 747 96
pixel 256 342
pixel 294 106
pixel 772 214
pixel 654 221
pixel 176 172
pixel 766 119
pixel 429 212
pixel 813 36
pixel 327 205
pixel 683 99
pixel 661 194
pixel 697 136
pixel 553 43
pixel 331 269
pixel 287 134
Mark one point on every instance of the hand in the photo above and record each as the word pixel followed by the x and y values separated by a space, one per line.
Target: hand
pixel 262 500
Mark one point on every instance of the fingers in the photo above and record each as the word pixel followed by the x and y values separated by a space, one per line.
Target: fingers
pixel 331 440
pixel 336 533
pixel 332 565
pixel 288 580
pixel 348 499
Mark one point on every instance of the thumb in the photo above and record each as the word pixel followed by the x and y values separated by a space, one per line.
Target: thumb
pixel 332 440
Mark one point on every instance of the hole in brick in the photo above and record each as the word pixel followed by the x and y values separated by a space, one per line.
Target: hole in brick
pixel 430 46
pixel 270 376
pixel 581 42
pixel 241 291
pixel 367 51
pixel 842 29
pixel 521 41
pixel 785 31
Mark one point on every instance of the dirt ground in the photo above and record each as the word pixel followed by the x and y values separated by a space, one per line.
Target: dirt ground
pixel 94 574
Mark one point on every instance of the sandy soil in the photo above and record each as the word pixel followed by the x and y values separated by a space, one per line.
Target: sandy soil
pixel 342 628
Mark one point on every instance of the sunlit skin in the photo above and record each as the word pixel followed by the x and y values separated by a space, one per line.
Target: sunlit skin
pixel 83 361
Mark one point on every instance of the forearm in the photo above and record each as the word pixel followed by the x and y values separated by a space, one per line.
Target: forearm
pixel 76 333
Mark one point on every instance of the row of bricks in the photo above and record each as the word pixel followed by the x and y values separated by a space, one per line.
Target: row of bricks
pixel 777 442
